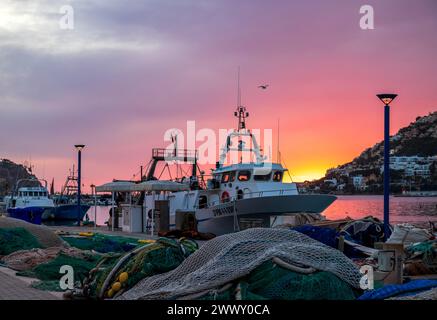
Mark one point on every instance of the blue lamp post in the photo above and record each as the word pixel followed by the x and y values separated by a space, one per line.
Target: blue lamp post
pixel 386 98
pixel 79 148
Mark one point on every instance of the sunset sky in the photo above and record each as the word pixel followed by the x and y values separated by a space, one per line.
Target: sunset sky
pixel 130 70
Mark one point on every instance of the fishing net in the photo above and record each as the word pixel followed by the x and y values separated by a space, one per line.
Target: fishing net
pixel 427 249
pixel 421 258
pixel 14 239
pixel 50 270
pixel 156 258
pixel 102 243
pixel 233 256
pixel 27 259
pixel 45 236
pixel 366 231
pixel 49 285
pixel 270 281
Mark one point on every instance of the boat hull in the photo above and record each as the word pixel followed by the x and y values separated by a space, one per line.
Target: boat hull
pixel 257 212
pixel 66 212
pixel 29 214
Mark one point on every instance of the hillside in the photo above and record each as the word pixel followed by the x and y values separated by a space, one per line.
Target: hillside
pixel 11 172
pixel 419 138
pixel 416 170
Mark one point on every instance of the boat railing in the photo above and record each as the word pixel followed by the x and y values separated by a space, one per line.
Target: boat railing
pixel 265 193
pixel 177 154
pixel 247 195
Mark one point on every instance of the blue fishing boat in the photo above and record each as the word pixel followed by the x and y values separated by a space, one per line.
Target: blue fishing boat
pixel 65 208
pixel 66 212
pixel 29 214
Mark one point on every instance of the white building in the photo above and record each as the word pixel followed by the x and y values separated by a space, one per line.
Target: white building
pixel 359 182
pixel 412 166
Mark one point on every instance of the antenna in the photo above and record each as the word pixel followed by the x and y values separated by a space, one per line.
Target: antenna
pixel 241 112
pixel 238 89
pixel 278 156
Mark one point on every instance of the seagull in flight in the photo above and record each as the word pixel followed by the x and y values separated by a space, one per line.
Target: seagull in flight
pixel 264 86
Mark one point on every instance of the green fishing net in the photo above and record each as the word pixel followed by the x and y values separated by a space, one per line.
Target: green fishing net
pixel 14 239
pixel 49 285
pixel 91 270
pixel 102 243
pixel 155 258
pixel 272 282
pixel 50 271
pixel 427 248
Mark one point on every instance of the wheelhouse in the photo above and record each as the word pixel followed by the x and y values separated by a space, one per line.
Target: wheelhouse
pixel 249 175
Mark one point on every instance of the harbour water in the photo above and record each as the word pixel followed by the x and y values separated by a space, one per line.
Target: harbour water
pixel 416 210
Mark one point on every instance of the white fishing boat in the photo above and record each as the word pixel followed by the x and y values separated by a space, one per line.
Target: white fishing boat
pixel 29 203
pixel 238 196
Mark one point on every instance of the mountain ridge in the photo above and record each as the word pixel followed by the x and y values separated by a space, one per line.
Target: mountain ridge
pixel 418 138
pixel 10 173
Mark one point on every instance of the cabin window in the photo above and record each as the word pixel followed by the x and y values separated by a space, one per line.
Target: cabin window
pixel 203 202
pixel 31 194
pixel 277 176
pixel 244 175
pixel 228 177
pixel 262 177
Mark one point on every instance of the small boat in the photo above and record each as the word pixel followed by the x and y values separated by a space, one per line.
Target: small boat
pixel 29 203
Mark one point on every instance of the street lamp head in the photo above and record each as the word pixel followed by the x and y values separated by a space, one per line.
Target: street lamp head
pixel 386 98
pixel 79 147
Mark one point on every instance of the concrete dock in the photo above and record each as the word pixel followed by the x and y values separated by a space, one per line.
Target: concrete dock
pixel 14 287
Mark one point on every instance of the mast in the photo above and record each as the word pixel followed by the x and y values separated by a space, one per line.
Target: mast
pixel 241 112
pixel 242 131
pixel 278 156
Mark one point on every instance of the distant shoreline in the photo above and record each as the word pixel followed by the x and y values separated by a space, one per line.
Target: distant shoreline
pixel 398 195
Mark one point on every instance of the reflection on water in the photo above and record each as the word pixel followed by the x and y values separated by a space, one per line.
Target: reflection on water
pixel 402 209
pixel 417 210
pixel 102 214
